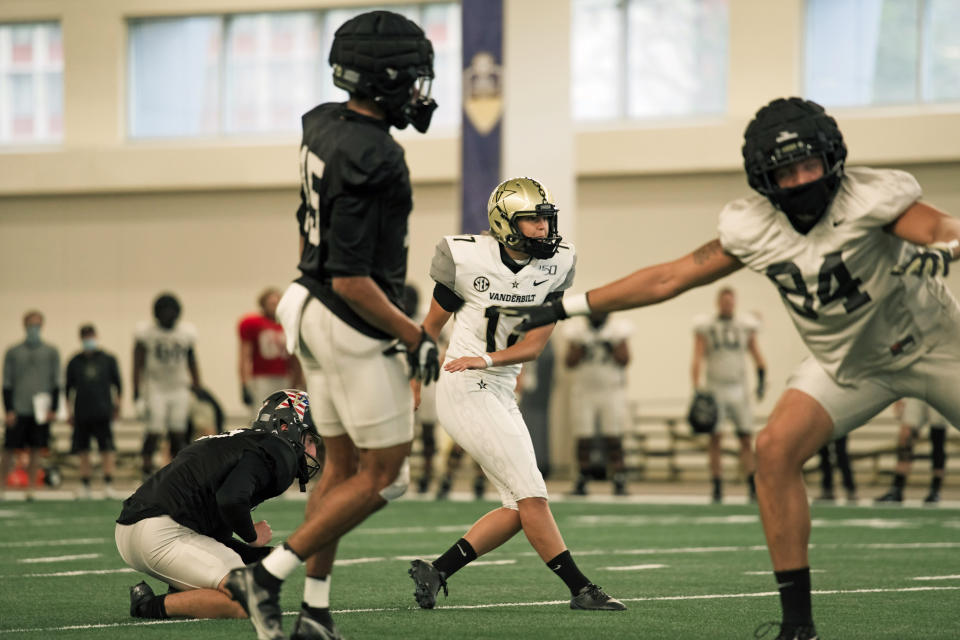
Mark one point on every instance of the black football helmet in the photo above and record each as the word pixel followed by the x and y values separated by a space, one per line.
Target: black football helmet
pixel 166 309
pixel 703 412
pixel 383 56
pixel 783 132
pixel 286 414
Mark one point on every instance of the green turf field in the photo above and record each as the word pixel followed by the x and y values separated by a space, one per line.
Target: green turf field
pixel 684 571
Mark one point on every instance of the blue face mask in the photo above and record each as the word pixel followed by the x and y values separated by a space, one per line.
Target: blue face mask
pixel 33 334
pixel 89 344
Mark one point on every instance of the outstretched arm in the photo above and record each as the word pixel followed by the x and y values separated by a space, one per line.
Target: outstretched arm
pixel 937 234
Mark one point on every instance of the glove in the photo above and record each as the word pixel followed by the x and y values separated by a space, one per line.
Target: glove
pixel 761 383
pixel 534 317
pixel 424 359
pixel 247 396
pixel 931 260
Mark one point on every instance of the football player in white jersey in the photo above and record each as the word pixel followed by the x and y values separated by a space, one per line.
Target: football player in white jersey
pixel 522 261
pixel 721 342
pixel 597 356
pixel 164 368
pixel 858 260
pixel 913 415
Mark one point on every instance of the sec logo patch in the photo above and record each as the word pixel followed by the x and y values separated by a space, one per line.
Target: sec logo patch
pixel 481 284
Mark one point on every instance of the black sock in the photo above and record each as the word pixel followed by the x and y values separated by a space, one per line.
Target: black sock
pixel 107 478
pixel 85 481
pixel 794 588
pixel 752 484
pixel 266 579
pixel 717 485
pixel 154 608
pixel 564 566
pixel 455 558
pixel 320 614
pixel 899 481
pixel 935 483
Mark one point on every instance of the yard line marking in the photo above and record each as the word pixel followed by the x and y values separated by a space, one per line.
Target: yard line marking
pixel 350 561
pixel 955 577
pixel 636 567
pixel 484 563
pixel 79 556
pixel 61 574
pixel 52 543
pixel 447 528
pixel 770 571
pixel 493 605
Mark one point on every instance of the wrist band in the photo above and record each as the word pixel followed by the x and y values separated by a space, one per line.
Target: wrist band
pixel 486 358
pixel 576 305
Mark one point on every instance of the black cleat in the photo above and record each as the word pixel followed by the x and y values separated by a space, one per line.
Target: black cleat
pixel 894 496
pixel 423 484
pixel 309 628
pixel 479 487
pixel 429 581
pixel 932 498
pixel 716 497
pixel 260 603
pixel 827 495
pixel 140 594
pixel 804 632
pixel 443 491
pixel 592 598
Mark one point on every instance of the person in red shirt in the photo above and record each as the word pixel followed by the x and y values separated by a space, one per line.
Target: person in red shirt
pixel 265 365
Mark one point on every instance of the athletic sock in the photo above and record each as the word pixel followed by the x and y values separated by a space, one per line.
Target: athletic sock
pixel 899 481
pixel 566 569
pixel 751 483
pixel 107 478
pixel 794 586
pixel 455 558
pixel 935 483
pixel 86 482
pixel 316 592
pixel 275 568
pixel 154 608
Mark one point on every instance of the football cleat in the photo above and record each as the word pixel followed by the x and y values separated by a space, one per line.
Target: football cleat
pixel 423 484
pixel 932 498
pixel 827 495
pixel 803 632
pixel 892 496
pixel 429 581
pixel 580 488
pixel 592 598
pixel 260 603
pixel 309 628
pixel 443 491
pixel 140 594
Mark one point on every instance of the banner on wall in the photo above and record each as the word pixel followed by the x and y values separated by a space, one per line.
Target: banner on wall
pixel 482 109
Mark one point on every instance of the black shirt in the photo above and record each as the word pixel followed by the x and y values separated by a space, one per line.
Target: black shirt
pixel 212 485
pixel 91 376
pixel 355 200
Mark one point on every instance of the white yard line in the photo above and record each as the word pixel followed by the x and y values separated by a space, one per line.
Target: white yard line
pixel 954 577
pixel 495 605
pixel 636 567
pixel 80 556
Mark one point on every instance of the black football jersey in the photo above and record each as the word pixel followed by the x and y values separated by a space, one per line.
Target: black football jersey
pixel 212 485
pixel 355 200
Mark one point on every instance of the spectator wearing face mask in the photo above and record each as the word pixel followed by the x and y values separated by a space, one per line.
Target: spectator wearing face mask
pixel 31 372
pixel 93 403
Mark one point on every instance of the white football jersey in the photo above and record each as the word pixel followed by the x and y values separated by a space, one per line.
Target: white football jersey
pixel 470 266
pixel 598 369
pixel 854 316
pixel 166 350
pixel 726 341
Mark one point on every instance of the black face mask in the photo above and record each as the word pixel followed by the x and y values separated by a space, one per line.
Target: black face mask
pixel 806 204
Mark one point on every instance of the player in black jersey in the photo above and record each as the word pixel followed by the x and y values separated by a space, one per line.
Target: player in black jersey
pixel 180 524
pixel 343 317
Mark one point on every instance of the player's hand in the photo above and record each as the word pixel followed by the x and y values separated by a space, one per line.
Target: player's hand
pixel 931 260
pixel 533 317
pixel 264 534
pixel 424 359
pixel 465 363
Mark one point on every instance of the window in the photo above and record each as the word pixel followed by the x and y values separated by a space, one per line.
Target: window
pixel 648 58
pixel 31 83
pixel 882 52
pixel 256 73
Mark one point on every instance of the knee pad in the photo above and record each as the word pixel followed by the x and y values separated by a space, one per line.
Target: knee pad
pixel 938 451
pixel 150 444
pixel 399 485
pixel 177 442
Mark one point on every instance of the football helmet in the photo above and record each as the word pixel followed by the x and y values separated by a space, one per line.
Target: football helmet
pixel 286 414
pixel 703 412
pixel 518 198
pixel 166 309
pixel 786 131
pixel 383 56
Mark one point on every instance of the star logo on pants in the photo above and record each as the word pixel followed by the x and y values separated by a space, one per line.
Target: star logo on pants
pixel 482 384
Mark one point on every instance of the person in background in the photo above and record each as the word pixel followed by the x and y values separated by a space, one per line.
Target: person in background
pixel 31 396
pixel 93 402
pixel 265 365
pixel 843 464
pixel 914 414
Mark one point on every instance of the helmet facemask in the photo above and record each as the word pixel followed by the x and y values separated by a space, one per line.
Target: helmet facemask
pixel 519 198
pixel 541 248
